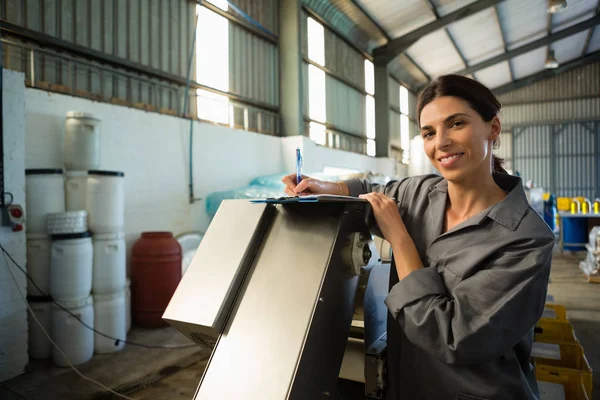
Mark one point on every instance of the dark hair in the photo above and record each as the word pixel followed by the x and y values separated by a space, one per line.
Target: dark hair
pixel 479 97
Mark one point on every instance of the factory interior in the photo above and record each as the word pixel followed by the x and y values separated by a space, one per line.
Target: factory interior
pixel 300 199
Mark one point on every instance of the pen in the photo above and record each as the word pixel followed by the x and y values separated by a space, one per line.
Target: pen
pixel 298 166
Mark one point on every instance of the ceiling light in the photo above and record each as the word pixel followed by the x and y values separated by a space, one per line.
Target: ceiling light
pixel 555 6
pixel 551 61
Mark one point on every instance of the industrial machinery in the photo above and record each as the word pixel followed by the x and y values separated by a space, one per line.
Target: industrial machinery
pixel 271 292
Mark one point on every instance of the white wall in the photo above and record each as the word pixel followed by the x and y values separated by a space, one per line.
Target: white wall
pixel 152 150
pixel 316 158
pixel 13 312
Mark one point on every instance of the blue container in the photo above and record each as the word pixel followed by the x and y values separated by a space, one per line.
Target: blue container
pixel 574 231
pixel 550 212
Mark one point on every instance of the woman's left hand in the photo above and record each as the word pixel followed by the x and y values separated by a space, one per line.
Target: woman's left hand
pixel 387 215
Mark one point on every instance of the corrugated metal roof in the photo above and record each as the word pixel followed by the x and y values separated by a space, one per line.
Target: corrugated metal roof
pixel 436 54
pixel 398 17
pixel 577 11
pixel 529 63
pixel 478 37
pixel 445 7
pixel 348 21
pixel 569 48
pixel 595 41
pixel 405 71
pixel 494 76
pixel 523 21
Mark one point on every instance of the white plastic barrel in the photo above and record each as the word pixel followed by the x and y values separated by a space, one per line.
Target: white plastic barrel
pixel 40 347
pixel 39 247
pixel 71 266
pixel 106 201
pixel 128 304
pixel 109 263
pixel 45 194
pixel 76 190
pixel 73 338
pixel 82 141
pixel 110 319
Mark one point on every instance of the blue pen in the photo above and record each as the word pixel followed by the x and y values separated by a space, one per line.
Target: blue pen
pixel 298 166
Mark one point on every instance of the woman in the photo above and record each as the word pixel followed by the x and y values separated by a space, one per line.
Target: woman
pixel 471 258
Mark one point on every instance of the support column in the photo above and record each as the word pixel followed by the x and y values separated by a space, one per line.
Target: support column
pixel 291 102
pixel 382 111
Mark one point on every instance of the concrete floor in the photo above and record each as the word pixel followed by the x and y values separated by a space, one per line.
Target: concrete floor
pixel 174 374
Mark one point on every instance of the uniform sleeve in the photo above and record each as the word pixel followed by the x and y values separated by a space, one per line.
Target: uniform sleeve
pixel 485 315
pixel 393 189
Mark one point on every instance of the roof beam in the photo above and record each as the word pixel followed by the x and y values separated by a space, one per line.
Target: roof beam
pixel 548 73
pixel 582 26
pixel 437 16
pixel 413 62
pixel 504 43
pixel 588 39
pixel 388 52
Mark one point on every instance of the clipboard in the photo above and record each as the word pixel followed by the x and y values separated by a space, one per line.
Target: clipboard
pixel 319 198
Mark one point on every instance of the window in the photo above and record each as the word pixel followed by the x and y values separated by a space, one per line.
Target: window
pixel 316 42
pixel 370 107
pixel 404 125
pixel 371 147
pixel 317 106
pixel 317 133
pixel 212 63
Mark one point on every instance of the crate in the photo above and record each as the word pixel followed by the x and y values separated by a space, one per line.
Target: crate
pixel 549 330
pixel 563 204
pixel 555 312
pixel 572 382
pixel 570 355
pixel 578 383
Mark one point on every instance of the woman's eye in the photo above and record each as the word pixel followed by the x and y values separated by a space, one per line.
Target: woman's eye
pixel 457 123
pixel 427 134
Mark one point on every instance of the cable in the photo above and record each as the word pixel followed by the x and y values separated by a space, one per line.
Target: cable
pixel 173 347
pixel 11 198
pixel 4 253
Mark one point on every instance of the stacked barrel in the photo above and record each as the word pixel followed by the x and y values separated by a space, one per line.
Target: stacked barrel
pixel 76 250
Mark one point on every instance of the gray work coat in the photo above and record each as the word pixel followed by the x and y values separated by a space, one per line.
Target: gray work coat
pixel 462 327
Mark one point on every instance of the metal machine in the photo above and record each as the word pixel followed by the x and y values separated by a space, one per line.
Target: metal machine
pixel 271 292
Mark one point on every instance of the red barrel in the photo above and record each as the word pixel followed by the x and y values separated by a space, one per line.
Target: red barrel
pixel 155 274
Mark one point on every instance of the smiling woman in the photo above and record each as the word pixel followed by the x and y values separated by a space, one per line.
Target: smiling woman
pixel 471 259
pixel 474 104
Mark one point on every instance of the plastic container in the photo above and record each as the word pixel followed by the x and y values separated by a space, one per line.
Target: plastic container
pixel 106 201
pixel 155 274
pixel 128 304
pixel 67 222
pixel 40 347
pixel 45 194
pixel 39 248
pixel 574 231
pixel 76 190
pixel 110 319
pixel 71 266
pixel 74 339
pixel 82 141
pixel 110 270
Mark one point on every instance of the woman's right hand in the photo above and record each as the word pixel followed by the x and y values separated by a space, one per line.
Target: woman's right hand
pixel 310 186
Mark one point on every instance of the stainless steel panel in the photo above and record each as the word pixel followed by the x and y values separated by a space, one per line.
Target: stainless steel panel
pixel 286 335
pixel 205 294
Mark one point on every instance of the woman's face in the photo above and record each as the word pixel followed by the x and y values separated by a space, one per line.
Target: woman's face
pixel 457 140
